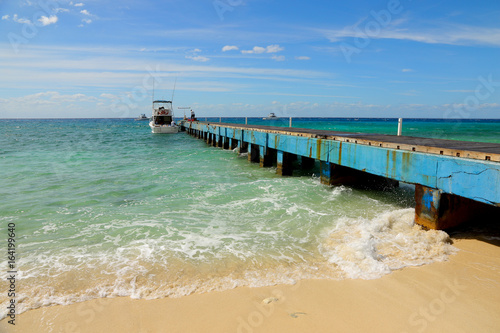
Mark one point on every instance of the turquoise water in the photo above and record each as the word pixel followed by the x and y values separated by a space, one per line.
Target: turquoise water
pixel 104 208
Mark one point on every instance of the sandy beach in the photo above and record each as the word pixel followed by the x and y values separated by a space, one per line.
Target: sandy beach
pixel 459 295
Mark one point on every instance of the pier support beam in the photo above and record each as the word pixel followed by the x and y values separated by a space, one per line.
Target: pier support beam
pixel 233 143
pixel 332 174
pixel 242 147
pixel 326 172
pixel 284 163
pixel 267 156
pixel 253 153
pixel 306 163
pixel 437 210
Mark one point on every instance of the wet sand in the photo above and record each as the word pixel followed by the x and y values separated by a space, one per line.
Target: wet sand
pixel 459 295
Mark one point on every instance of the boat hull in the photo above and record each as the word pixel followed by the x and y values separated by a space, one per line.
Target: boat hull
pixel 163 129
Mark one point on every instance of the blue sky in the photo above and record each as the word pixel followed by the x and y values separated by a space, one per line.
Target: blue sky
pixel 393 58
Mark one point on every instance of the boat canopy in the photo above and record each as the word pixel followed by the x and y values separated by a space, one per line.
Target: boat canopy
pixel 161 101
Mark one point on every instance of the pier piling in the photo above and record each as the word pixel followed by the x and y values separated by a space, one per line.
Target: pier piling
pixel 284 163
pixel 253 153
pixel 437 210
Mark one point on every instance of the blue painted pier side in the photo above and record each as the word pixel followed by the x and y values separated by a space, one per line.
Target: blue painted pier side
pixel 453 180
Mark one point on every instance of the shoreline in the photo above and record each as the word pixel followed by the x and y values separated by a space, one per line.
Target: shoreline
pixel 458 295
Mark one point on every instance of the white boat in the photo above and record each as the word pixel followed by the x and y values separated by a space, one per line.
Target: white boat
pixel 270 116
pixel 162 120
pixel 142 117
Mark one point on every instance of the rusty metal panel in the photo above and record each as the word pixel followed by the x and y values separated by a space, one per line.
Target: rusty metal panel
pixel 237 133
pixel 259 138
pixel 245 136
pixel 302 146
pixel 415 168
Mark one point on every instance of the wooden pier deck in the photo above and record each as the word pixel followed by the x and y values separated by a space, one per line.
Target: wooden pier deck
pixel 453 179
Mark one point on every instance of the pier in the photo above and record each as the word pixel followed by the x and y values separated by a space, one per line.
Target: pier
pixel 454 180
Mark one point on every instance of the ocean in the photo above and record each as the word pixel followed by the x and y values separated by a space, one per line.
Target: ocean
pixel 104 208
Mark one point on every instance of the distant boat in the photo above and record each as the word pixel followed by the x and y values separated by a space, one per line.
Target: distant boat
pixel 142 117
pixel 162 120
pixel 271 116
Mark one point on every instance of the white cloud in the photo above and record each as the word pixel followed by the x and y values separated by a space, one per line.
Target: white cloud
pixel 109 96
pixel 88 21
pixel 78 4
pixel 57 97
pixel 302 58
pixel 5 17
pixel 230 48
pixel 278 58
pixel 48 20
pixel 198 58
pixel 452 34
pixel 274 48
pixel 256 50
pixel 411 92
pixel 196 50
pixel 53 104
pixel 15 18
pixel 459 91
pixel 406 70
pixel 85 12
pixel 259 50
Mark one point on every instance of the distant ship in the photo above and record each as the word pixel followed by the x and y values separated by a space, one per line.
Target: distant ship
pixel 142 117
pixel 270 116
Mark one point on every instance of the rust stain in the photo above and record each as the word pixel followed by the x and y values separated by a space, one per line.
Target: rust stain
pixel 340 153
pixel 388 163
pixel 406 162
pixel 394 157
pixel 318 149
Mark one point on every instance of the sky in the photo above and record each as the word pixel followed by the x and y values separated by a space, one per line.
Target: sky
pixel 238 58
